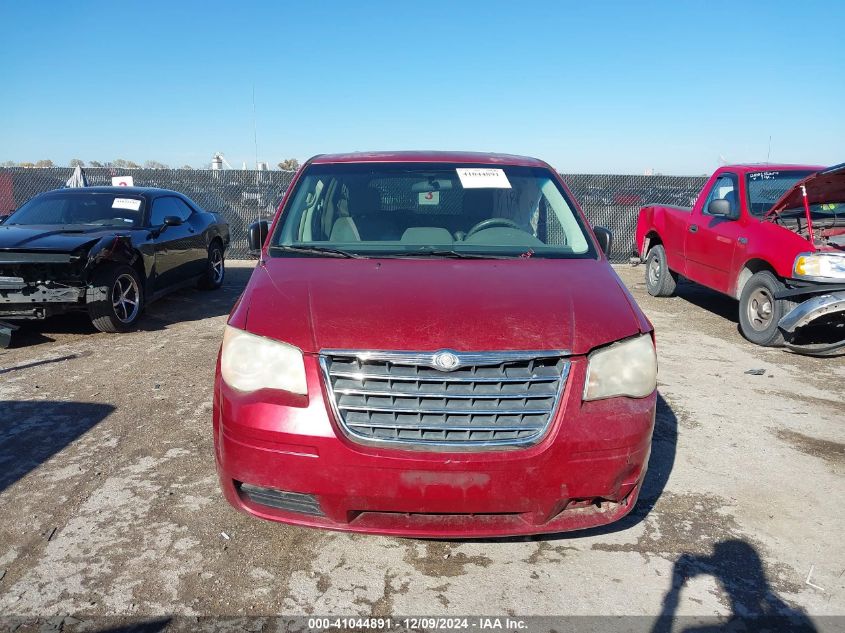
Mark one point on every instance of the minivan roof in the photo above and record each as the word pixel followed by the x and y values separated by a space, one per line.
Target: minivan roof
pixel 478 158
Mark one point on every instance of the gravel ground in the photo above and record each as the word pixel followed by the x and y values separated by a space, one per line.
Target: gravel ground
pixel 110 503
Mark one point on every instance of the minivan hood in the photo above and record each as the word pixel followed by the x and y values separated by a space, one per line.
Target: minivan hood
pixel 429 304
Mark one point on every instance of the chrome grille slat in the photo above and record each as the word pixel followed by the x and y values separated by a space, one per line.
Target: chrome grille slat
pixel 480 379
pixel 426 411
pixel 440 427
pixel 444 395
pixel 488 400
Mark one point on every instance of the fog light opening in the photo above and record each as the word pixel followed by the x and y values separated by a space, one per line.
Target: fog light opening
pixel 298 502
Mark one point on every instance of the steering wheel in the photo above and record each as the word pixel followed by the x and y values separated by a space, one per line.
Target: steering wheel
pixel 491 222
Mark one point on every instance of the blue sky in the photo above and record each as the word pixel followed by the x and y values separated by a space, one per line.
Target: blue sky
pixel 590 87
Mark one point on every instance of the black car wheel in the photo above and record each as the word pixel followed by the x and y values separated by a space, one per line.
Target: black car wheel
pixel 115 298
pixel 759 311
pixel 215 268
pixel 659 280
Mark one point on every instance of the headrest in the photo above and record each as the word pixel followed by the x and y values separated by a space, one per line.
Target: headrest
pixel 427 235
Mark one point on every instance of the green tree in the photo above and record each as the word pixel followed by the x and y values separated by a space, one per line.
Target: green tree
pixel 26 164
pixel 94 163
pixel 76 162
pixel 289 164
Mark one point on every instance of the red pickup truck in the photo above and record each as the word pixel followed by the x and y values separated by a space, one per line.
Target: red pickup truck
pixel 773 237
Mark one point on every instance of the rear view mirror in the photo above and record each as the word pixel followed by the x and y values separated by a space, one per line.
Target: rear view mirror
pixel 173 220
pixel 719 207
pixel 257 235
pixel 604 237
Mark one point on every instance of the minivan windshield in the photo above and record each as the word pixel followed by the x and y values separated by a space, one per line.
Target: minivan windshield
pixel 430 210
pixel 86 209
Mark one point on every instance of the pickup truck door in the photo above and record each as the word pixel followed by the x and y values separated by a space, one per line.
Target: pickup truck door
pixel 710 240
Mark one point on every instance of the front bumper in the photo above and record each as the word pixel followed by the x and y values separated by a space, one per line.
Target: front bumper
pixel 826 310
pixel 21 299
pixel 282 457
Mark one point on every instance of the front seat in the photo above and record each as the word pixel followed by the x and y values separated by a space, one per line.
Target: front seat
pixel 344 230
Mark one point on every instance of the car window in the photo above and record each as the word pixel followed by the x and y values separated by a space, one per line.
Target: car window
pixel 167 206
pixel 764 188
pixel 408 208
pixel 81 209
pixel 725 188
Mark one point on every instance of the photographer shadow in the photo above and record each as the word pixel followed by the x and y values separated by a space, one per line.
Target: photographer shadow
pixel 736 566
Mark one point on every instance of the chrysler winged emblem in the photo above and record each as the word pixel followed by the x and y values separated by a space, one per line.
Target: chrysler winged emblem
pixel 445 360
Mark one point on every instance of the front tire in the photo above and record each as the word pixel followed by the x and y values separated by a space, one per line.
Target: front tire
pixel 215 268
pixel 659 280
pixel 760 312
pixel 115 298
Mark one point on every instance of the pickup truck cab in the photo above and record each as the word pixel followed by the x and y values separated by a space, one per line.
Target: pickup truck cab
pixel 771 236
pixel 433 344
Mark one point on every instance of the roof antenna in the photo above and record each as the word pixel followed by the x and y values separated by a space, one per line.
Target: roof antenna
pixel 258 206
pixel 769 154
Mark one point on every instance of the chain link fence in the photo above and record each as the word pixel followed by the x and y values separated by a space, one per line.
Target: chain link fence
pixel 242 196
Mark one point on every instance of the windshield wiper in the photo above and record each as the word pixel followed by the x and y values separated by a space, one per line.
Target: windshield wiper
pixel 448 252
pixel 318 250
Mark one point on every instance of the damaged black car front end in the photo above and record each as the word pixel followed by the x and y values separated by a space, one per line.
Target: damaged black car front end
pixel 38 283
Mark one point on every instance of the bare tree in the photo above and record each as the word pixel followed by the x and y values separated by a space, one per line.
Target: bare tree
pixel 154 164
pixel 26 164
pixel 186 167
pixel 76 162
pixel 9 163
pixel 94 163
pixel 289 164
pixel 120 163
pixel 44 162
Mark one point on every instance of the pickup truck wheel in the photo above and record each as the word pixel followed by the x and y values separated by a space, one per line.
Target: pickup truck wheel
pixel 659 280
pixel 215 268
pixel 115 298
pixel 759 311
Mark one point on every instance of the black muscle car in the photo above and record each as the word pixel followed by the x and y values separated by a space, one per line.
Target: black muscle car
pixel 107 250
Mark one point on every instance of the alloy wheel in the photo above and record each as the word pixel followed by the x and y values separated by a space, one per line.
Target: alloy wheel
pixel 126 298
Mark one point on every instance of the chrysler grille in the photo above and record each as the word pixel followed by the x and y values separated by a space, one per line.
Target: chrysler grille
pixel 489 399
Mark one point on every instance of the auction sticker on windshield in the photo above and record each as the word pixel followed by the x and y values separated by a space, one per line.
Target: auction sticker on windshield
pixel 477 178
pixel 126 203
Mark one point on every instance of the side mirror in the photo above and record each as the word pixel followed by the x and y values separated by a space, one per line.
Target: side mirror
pixel 605 238
pixel 257 235
pixel 719 207
pixel 173 220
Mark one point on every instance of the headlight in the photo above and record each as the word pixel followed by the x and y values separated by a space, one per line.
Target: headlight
pixel 819 266
pixel 249 363
pixel 626 368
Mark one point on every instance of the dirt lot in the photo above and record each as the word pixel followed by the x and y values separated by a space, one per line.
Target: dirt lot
pixel 110 503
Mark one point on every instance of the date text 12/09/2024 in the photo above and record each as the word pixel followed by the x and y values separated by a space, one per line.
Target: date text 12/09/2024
pixel 417 623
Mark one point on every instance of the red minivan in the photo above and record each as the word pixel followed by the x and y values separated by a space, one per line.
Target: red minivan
pixel 434 344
